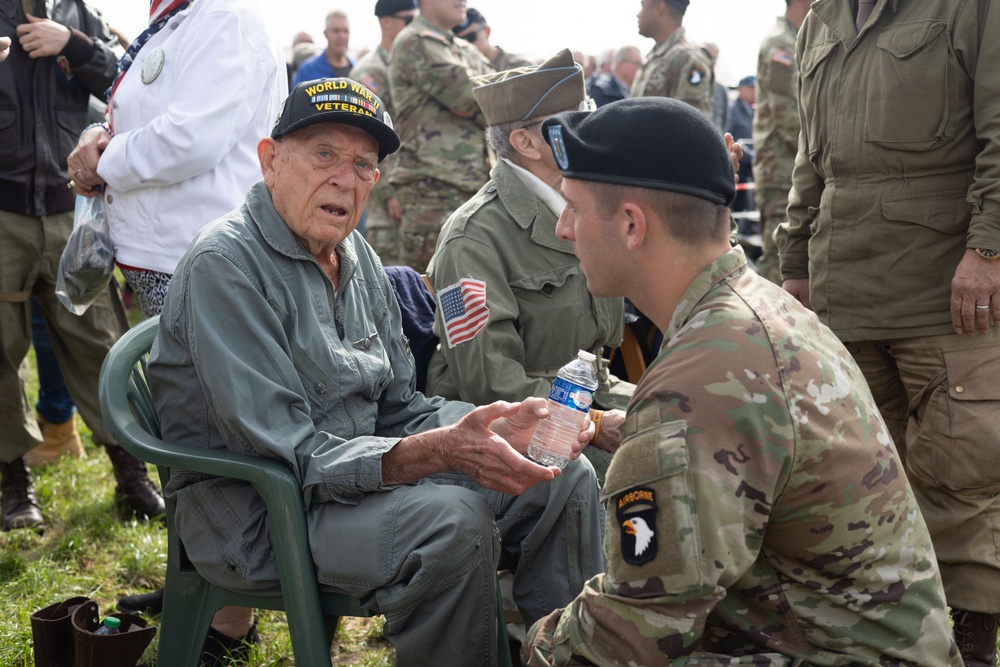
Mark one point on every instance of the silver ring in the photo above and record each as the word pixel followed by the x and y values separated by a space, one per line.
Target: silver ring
pixel 978 307
pixel 76 171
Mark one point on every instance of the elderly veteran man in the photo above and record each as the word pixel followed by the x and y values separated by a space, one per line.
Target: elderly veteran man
pixel 281 337
pixel 757 509
pixel 540 312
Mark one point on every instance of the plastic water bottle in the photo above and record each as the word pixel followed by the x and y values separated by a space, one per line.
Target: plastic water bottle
pixel 569 402
pixel 111 626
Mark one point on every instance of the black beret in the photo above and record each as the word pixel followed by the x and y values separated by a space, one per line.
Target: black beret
pixel 472 17
pixel 390 7
pixel 679 4
pixel 646 142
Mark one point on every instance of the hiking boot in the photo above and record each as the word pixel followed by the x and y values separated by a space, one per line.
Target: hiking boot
pixel 136 492
pixel 57 440
pixel 976 636
pixel 20 506
pixel 219 650
pixel 150 604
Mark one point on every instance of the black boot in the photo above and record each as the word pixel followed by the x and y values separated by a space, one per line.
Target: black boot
pixel 20 506
pixel 150 604
pixel 219 650
pixel 136 492
pixel 976 636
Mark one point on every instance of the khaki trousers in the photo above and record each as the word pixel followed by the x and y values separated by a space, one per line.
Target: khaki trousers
pixel 940 397
pixel 30 248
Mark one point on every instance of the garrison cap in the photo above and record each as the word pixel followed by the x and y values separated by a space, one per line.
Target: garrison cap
pixel 340 100
pixel 645 142
pixel 531 92
pixel 390 7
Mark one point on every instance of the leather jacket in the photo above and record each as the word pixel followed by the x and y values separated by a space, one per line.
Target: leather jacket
pixel 44 106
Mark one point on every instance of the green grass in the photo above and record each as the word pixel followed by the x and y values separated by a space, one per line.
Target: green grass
pixel 90 549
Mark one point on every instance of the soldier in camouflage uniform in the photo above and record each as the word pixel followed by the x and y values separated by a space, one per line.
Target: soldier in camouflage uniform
pixel 442 161
pixel 373 71
pixel 758 513
pixel 776 129
pixel 675 67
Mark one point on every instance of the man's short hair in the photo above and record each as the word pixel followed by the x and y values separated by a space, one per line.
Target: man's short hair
pixel 691 220
pixel 336 13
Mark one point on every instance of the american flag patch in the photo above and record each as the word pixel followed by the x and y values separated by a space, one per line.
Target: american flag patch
pixel 463 310
pixel 783 58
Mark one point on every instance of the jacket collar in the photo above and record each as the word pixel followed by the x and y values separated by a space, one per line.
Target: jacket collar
pixel 527 210
pixel 279 236
pixel 725 268
pixel 838 15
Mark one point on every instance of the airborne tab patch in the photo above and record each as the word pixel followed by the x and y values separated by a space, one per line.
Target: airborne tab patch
pixel 636 513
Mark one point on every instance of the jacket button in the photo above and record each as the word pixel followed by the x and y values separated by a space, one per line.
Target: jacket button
pixel 959 389
pixel 547 289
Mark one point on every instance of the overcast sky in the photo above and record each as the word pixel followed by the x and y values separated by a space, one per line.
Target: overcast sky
pixel 532 27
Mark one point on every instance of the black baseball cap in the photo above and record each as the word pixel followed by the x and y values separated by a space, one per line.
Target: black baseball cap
pixel 339 100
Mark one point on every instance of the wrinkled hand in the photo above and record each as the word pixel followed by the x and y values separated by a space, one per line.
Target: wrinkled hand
pixel 799 288
pixel 42 37
pixel 735 154
pixel 477 446
pixel 610 437
pixel 82 162
pixel 395 210
pixel 4 48
pixel 976 283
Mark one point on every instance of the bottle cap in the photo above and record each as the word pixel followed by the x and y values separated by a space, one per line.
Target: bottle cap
pixel 112 622
pixel 586 356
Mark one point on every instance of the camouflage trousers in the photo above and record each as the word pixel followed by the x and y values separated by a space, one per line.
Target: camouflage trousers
pixel 383 230
pixel 772 204
pixel 426 206
pixel 938 396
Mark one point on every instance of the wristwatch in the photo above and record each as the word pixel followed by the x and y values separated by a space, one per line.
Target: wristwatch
pixel 986 253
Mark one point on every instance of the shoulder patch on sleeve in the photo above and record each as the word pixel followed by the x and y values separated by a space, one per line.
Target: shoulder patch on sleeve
pixel 371 83
pixel 636 512
pixel 463 310
pixel 433 34
pixel 783 58
pixel 696 75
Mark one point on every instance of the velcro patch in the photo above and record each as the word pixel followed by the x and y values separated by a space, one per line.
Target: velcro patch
pixel 783 58
pixel 636 512
pixel 696 76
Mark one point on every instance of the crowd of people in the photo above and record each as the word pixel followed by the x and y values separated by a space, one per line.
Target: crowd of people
pixel 802 476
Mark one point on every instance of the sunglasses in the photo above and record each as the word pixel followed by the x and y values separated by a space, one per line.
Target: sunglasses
pixel 471 36
pixel 407 19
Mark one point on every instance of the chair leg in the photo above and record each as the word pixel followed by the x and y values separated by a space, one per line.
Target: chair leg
pixel 188 609
pixel 330 624
pixel 503 642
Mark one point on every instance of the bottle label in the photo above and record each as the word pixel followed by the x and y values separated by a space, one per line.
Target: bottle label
pixel 571 395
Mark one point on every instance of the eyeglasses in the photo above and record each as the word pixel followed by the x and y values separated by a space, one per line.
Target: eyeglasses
pixel 407 19
pixel 471 36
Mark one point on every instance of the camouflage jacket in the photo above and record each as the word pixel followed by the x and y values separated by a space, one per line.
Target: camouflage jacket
pixel 757 507
pixel 679 69
pixel 776 123
pixel 438 119
pixel 373 71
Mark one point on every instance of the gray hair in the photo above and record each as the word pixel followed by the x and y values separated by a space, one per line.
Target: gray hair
pixel 498 138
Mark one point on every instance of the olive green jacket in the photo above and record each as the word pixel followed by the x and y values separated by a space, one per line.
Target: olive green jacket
pixel 540 310
pixel 898 166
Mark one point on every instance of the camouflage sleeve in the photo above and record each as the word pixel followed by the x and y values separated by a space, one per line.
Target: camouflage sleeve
pixel 496 352
pixel 430 64
pixel 686 75
pixel 678 533
pixel 777 80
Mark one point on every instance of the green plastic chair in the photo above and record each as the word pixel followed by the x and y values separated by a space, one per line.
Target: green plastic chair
pixel 190 601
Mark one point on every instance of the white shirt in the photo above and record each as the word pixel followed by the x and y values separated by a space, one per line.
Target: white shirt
pixel 184 150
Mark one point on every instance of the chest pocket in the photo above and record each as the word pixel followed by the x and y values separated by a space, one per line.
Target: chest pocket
pixel 651 530
pixel 819 89
pixel 908 58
